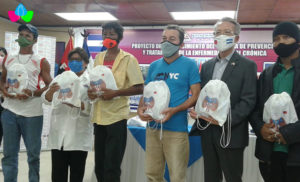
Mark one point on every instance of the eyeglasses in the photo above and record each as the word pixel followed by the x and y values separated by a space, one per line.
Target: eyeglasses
pixel 226 32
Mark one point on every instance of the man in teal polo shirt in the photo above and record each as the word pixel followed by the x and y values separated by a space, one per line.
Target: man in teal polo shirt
pixel 279 155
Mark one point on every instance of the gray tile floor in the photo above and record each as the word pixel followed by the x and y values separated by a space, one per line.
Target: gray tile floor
pixel 45 167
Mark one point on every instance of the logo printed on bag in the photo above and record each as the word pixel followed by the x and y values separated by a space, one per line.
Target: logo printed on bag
pixel 65 93
pixel 280 110
pixel 278 123
pixel 13 83
pixel 98 85
pixel 149 102
pixel 210 103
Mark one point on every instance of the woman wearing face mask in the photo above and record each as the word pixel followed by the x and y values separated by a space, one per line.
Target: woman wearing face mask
pixel 3 53
pixel 70 139
pixel 110 115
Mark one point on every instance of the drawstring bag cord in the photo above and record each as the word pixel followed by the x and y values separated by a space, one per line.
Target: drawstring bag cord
pixel 155 127
pixel 224 142
pixel 199 126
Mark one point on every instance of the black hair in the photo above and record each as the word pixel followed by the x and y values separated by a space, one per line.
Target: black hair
pixel 82 53
pixel 116 26
pixel 3 50
pixel 179 29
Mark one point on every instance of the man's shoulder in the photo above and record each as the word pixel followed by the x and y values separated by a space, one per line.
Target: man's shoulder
pixel 158 61
pixel 209 62
pixel 187 61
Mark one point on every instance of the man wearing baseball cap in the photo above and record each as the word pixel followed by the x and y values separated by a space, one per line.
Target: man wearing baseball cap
pixel 279 152
pixel 23 113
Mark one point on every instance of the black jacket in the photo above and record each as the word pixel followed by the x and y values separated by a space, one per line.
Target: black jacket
pixel 290 132
pixel 240 75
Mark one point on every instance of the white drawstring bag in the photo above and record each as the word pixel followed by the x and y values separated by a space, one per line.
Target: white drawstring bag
pixel 156 99
pixel 102 77
pixel 17 78
pixel 69 91
pixel 84 86
pixel 280 110
pixel 214 101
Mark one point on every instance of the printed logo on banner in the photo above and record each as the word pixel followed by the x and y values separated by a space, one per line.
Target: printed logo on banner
pixel 187 37
pixel 20 12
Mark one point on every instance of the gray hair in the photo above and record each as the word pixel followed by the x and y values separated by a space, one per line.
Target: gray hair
pixel 237 26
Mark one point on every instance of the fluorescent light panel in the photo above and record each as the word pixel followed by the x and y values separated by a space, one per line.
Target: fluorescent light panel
pixel 92 16
pixel 202 15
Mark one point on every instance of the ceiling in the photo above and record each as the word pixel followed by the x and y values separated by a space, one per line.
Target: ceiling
pixel 155 12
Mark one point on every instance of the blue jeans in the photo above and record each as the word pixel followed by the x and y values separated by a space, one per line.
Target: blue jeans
pixel 30 128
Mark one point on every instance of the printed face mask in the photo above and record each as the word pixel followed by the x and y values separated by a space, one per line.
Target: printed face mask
pixel 75 66
pixel 109 43
pixel 224 42
pixel 23 42
pixel 169 49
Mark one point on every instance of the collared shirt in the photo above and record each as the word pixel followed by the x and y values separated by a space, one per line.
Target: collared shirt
pixel 127 73
pixel 283 82
pixel 220 66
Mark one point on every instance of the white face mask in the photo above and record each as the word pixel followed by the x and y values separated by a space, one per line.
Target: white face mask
pixel 224 42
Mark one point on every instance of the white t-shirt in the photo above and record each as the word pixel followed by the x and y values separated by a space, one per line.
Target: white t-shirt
pixel 33 105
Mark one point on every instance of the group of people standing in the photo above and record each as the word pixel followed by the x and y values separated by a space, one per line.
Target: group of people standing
pixel 70 139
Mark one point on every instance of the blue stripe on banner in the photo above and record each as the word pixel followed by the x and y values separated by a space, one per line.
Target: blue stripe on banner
pixel 95 49
pixel 95 37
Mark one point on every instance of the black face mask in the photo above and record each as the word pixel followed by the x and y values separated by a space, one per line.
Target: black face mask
pixel 285 50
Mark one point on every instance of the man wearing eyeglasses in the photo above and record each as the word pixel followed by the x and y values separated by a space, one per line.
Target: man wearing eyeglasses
pixel 239 73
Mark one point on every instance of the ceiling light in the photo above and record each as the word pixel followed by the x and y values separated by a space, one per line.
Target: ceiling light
pixel 202 15
pixel 93 16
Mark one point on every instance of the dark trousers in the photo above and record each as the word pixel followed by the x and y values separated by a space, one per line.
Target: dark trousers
pixel 1 131
pixel 62 160
pixel 218 160
pixel 278 171
pixel 110 144
pixel 1 128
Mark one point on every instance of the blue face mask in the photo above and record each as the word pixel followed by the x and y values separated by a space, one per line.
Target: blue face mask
pixel 75 66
